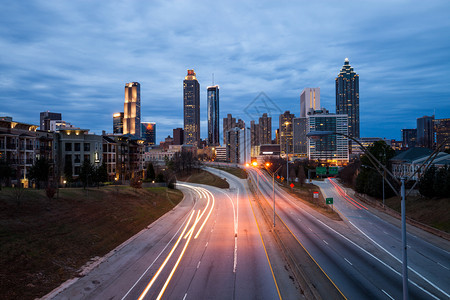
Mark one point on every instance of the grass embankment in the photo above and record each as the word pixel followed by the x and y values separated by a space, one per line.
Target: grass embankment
pixel 205 177
pixel 44 243
pixel 305 194
pixel 238 172
pixel 432 212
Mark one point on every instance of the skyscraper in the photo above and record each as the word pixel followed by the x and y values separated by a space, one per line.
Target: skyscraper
pixel 191 98
pixel 178 136
pixel 265 129
pixel 442 131
pixel 132 109
pixel 425 132
pixel 409 138
pixel 286 132
pixel 213 115
pixel 118 123
pixel 46 117
pixel 309 100
pixel 229 123
pixel 347 97
pixel 148 130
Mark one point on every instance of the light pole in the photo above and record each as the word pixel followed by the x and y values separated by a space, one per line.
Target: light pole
pixel 273 189
pixel 402 194
pixel 287 152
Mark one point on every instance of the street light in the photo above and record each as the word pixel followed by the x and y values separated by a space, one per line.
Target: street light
pixel 287 152
pixel 403 181
pixel 273 189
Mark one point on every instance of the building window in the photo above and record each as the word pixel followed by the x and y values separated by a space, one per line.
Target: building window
pixel 68 158
pixel 68 147
pixel 77 147
pixel 87 147
pixel 77 158
pixel 87 158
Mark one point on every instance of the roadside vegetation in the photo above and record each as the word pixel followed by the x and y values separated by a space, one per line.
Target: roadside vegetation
pixel 45 241
pixel 238 172
pixel 204 177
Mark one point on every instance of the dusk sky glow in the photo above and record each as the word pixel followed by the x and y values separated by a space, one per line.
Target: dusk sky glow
pixel 74 57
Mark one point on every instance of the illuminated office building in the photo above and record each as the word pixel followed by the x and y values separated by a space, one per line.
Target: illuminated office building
pixel 213 115
pixel 132 109
pixel 347 97
pixel 118 123
pixel 309 101
pixel 148 130
pixel 191 98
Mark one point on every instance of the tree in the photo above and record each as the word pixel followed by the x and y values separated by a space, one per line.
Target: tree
pixel 150 171
pixel 426 182
pixel 39 171
pixel 100 174
pixel 86 172
pixel 6 171
pixel 68 175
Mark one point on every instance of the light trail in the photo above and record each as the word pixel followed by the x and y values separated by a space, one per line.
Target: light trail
pixel 207 217
pixel 346 197
pixel 149 285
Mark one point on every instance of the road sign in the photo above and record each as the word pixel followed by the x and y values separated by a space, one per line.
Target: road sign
pixel 292 185
pixel 316 194
pixel 333 170
pixel 329 200
pixel 321 171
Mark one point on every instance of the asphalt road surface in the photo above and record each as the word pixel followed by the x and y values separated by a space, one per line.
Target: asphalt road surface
pixel 208 247
pixel 351 257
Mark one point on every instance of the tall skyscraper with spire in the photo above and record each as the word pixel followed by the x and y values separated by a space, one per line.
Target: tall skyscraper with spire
pixel 213 115
pixel 347 97
pixel 132 109
pixel 191 98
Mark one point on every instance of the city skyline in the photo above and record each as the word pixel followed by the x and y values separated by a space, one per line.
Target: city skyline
pixel 77 61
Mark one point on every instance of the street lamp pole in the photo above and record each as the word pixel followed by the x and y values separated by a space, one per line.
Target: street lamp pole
pixel 404 249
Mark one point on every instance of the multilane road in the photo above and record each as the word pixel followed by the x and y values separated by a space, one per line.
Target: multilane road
pixel 356 259
pixel 208 247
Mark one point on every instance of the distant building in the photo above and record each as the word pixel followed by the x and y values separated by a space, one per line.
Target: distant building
pixel 442 131
pixel 60 124
pixel 132 109
pixel 309 100
pixel 300 140
pixel 229 123
pixel 332 148
pixel 213 115
pixel 366 142
pixel 46 117
pixel 425 132
pixel 254 128
pixel 265 129
pixel 191 107
pixel 178 136
pixel 286 122
pixel 118 123
pixel 409 138
pixel 238 145
pixel 347 97
pixel 148 131
pixel 221 153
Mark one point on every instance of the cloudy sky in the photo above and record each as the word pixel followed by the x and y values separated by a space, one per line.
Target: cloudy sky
pixel 74 57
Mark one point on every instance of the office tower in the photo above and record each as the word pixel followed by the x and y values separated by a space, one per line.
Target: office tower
pixel 442 131
pixel 425 132
pixel 46 117
pixel 238 145
pixel 118 123
pixel 132 109
pixel 347 97
pixel 409 138
pixel 286 132
pixel 178 136
pixel 254 132
pixel 148 131
pixel 213 115
pixel 229 123
pixel 331 148
pixel 265 129
pixel 300 140
pixel 191 98
pixel 309 100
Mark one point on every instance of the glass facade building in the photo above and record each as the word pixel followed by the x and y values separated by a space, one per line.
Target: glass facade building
pixel 213 115
pixel 148 130
pixel 191 107
pixel 132 109
pixel 347 97
pixel 118 123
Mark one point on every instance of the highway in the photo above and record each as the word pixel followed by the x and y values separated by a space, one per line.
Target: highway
pixel 352 260
pixel 208 247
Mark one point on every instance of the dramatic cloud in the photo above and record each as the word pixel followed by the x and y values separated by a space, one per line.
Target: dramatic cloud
pixel 75 57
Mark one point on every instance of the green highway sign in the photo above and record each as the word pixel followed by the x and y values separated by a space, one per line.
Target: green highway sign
pixel 321 171
pixel 329 200
pixel 333 170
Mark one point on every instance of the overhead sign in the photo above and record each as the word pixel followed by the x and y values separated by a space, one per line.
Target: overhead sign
pixel 321 171
pixel 333 170
pixel 329 200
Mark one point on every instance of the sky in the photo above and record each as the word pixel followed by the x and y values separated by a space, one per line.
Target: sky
pixel 75 57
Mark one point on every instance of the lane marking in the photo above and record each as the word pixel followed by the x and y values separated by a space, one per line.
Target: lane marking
pixel 387 294
pixel 325 242
pixel 348 261
pixel 207 217
pixel 184 296
pixel 411 269
pixel 198 265
pixel 206 244
pixel 443 266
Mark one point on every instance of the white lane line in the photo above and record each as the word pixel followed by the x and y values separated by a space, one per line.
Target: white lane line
pixel 198 265
pixel 165 247
pixel 443 266
pixel 417 273
pixel 206 244
pixel 185 295
pixel 348 261
pixel 387 294
pixel 325 242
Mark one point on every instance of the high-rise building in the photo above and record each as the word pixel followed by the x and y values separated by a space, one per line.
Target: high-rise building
pixel 425 132
pixel 132 109
pixel 300 139
pixel 347 97
pixel 442 131
pixel 286 132
pixel 265 129
pixel 254 132
pixel 118 123
pixel 46 117
pixel 238 145
pixel 178 136
pixel 309 100
pixel 409 138
pixel 213 115
pixel 229 123
pixel 191 98
pixel 148 131
pixel 332 148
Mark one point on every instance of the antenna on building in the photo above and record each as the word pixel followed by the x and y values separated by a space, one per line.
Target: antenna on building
pixel 213 79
